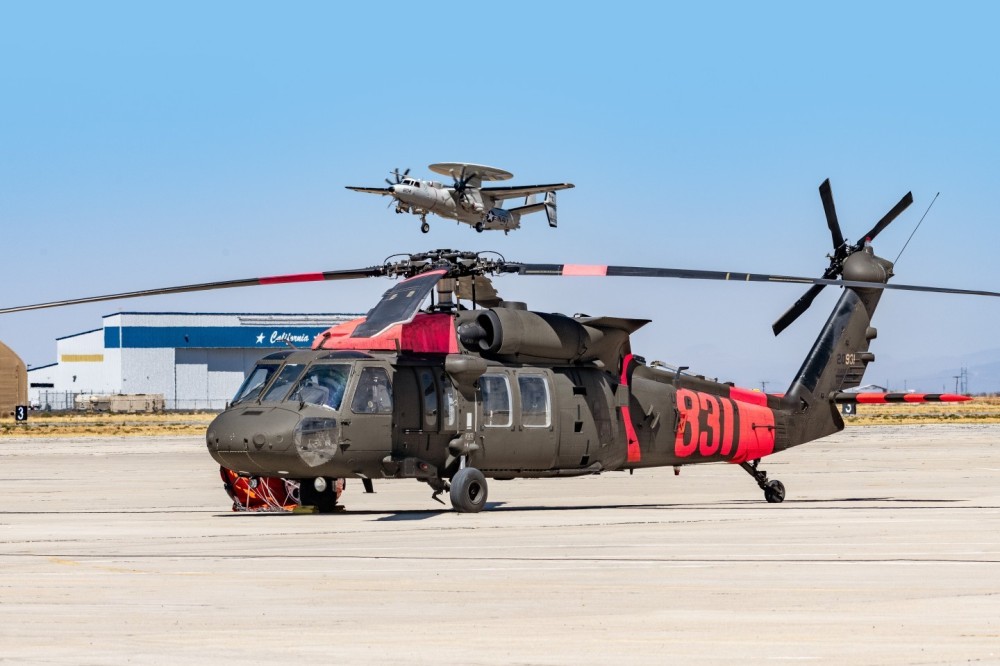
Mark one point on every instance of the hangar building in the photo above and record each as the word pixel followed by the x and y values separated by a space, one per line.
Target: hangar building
pixel 13 380
pixel 195 360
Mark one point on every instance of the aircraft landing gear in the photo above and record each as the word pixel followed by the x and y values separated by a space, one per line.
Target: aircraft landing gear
pixel 425 227
pixel 479 227
pixel 468 490
pixel 774 490
pixel 322 493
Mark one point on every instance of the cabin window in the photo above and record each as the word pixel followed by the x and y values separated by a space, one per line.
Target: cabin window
pixel 428 387
pixel 322 385
pixel 535 410
pixel 374 392
pixel 255 382
pixel 495 390
pixel 450 405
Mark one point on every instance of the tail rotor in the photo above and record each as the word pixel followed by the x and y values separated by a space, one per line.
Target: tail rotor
pixel 841 251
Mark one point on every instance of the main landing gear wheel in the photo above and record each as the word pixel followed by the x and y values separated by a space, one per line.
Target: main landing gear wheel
pixel 479 227
pixel 774 490
pixel 320 493
pixel 425 227
pixel 468 490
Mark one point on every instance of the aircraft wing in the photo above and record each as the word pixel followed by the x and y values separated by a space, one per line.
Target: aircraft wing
pixel 370 190
pixel 504 193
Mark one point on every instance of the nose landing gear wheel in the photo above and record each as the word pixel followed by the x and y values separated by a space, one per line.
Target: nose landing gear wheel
pixel 425 227
pixel 468 490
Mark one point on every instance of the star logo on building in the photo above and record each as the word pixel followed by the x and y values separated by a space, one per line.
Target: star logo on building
pixel 260 339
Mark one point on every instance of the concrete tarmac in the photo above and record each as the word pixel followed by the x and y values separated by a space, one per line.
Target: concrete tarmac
pixel 886 551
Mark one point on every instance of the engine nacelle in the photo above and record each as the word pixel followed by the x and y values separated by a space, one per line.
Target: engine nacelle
pixel 517 334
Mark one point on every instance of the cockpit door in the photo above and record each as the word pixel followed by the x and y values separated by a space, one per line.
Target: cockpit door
pixel 368 416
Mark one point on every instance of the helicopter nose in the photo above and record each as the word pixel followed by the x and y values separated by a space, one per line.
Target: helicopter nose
pixel 252 439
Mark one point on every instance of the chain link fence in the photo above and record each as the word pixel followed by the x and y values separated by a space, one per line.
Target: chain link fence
pixel 84 401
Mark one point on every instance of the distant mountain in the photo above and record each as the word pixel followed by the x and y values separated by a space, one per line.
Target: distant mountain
pixel 937 374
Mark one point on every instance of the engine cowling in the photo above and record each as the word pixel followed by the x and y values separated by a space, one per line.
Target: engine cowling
pixel 515 334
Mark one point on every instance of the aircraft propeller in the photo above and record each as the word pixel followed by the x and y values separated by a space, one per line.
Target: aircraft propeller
pixel 841 250
pixel 462 181
pixel 399 177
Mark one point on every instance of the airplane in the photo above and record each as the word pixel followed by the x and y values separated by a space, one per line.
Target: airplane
pixel 466 200
pixel 446 383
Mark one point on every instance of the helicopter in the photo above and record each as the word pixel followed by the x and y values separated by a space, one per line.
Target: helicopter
pixel 445 382
pixel 466 200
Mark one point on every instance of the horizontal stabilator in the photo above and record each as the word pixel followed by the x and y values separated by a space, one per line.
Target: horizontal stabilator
pixel 885 398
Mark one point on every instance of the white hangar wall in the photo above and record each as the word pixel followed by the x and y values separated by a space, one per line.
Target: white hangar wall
pixel 195 360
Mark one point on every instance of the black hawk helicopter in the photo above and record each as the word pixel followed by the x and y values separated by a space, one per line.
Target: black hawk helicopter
pixel 471 387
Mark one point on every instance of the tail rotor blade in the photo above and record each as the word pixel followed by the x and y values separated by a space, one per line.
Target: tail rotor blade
pixel 826 194
pixel 889 217
pixel 800 306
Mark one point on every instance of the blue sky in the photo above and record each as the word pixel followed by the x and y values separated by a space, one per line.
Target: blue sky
pixel 145 145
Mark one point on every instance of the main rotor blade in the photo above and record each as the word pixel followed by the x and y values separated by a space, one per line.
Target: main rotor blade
pixel 826 194
pixel 798 307
pixel 889 217
pixel 595 270
pixel 349 274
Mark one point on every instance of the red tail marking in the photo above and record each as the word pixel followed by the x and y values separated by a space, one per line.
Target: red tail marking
pixel 746 395
pixel 634 452
pixel 584 270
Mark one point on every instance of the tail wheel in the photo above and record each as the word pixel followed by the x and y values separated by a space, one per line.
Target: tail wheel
pixel 774 491
pixel 468 490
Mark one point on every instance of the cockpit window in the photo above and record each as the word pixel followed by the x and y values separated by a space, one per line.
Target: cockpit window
pixel 255 383
pixel 279 387
pixel 322 385
pixel 374 393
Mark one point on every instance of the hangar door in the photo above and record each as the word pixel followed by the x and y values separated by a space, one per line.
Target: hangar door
pixel 208 378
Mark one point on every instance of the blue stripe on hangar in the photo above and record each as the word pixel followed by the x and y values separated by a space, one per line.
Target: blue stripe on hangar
pixel 215 337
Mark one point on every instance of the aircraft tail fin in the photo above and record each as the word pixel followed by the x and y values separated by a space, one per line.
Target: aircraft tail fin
pixel 549 206
pixel 839 356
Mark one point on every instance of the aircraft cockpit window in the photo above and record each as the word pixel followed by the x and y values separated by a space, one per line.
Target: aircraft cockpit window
pixel 495 390
pixel 374 393
pixel 255 382
pixel 279 387
pixel 322 385
pixel 535 411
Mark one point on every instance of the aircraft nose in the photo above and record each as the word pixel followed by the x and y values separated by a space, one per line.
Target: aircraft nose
pixel 248 439
pixel 392 188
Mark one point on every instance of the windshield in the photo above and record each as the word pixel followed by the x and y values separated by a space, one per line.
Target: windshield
pixel 253 384
pixel 322 385
pixel 279 387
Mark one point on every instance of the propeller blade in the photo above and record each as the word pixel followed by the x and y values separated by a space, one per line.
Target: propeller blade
pixel 389 182
pixel 350 274
pixel 406 173
pixel 889 217
pixel 800 306
pixel 826 195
